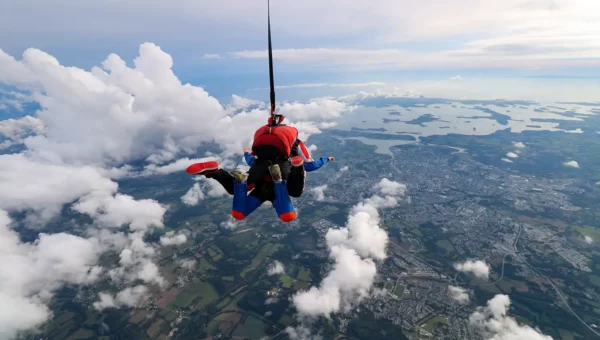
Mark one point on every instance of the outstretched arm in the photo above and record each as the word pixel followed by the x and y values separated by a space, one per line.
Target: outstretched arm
pixel 315 165
pixel 248 157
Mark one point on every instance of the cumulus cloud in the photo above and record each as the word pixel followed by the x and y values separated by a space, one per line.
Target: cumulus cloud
pixel 494 322
pixel 214 189
pixel 31 273
pixel 90 126
pixel 571 164
pixel 193 196
pixel 353 249
pixel 319 192
pixel 519 145
pixel 320 108
pixel 136 263
pixel 507 160
pixel 300 333
pixel 456 78
pixel 344 168
pixel 477 267
pixel 512 155
pixel 18 129
pixel 114 114
pixel 387 187
pixel 119 210
pixel 276 268
pixel 588 239
pixel 458 294
pixel 170 239
pixel 188 264
pixel 128 297
pixel 24 189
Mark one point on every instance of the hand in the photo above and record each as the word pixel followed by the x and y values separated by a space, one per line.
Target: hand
pixel 331 158
pixel 247 150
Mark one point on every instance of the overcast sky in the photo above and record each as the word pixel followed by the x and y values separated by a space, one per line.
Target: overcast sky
pixel 318 40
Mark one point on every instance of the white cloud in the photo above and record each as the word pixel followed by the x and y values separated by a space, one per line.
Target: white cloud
pixel 456 78
pixel 588 239
pixel 128 297
pixel 90 126
pixel 300 86
pixel 188 264
pixel 571 164
pixel 344 168
pixel 116 114
pixel 136 263
pixel 319 192
pixel 353 249
pixel 512 155
pixel 519 145
pixel 312 148
pixel 300 333
pixel 507 160
pixel 193 196
pixel 387 187
pixel 212 56
pixel 176 166
pixel 320 108
pixel 31 273
pixel 24 188
pixel 349 282
pixel 119 210
pixel 170 239
pixel 459 294
pixel 276 268
pixel 214 189
pixel 494 322
pixel 18 129
pixel 479 268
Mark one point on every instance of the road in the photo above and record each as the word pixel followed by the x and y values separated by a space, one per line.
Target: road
pixel 558 292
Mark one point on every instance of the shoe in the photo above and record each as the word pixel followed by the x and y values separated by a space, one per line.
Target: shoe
pixel 297 161
pixel 239 176
pixel 275 172
pixel 203 168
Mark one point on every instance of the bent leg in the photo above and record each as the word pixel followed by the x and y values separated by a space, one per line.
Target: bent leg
pixel 243 204
pixel 295 182
pixel 283 204
pixel 224 178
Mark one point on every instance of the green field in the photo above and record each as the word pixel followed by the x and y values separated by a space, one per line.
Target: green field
pixel 183 299
pixel 566 335
pixel 506 285
pixel 204 265
pixel 286 320
pixel 154 330
pixel 431 323
pixel 399 291
pixel 286 280
pixel 592 232
pixel 265 251
pixel 303 274
pixel 389 286
pixel 252 328
pixel 82 334
pixel 201 292
pixel 227 278
pixel 445 244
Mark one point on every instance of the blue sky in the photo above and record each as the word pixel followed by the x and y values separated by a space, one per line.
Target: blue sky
pixel 331 41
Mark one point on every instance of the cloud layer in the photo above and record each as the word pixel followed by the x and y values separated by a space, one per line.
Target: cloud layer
pixel 354 250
